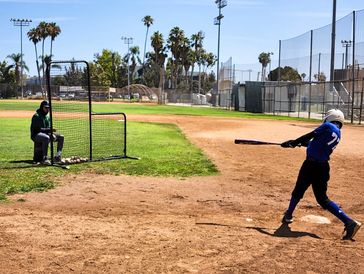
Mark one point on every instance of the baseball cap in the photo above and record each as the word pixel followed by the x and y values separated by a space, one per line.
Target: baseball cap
pixel 44 104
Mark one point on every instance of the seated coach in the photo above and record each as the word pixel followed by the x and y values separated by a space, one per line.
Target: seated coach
pixel 40 130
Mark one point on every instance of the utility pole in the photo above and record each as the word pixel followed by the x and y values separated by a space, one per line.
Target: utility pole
pixel 21 23
pixel 217 21
pixel 128 41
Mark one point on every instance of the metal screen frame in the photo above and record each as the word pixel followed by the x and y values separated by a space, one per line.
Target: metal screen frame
pixel 90 113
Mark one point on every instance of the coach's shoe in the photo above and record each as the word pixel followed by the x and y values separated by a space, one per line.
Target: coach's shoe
pixel 287 218
pixel 57 159
pixel 351 229
pixel 45 161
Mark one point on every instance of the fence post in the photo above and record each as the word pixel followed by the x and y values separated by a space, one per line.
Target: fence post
pixel 353 72
pixel 279 61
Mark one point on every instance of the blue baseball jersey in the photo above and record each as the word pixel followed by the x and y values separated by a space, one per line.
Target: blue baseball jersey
pixel 326 138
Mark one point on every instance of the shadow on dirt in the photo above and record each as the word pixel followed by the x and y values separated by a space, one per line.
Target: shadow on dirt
pixel 285 231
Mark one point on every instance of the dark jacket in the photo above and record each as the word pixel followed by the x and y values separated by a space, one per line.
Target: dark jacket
pixel 40 123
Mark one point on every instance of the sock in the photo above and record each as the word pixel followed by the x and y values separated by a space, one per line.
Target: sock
pixel 336 210
pixel 58 154
pixel 292 205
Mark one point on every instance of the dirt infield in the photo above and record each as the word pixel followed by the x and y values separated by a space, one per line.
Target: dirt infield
pixel 228 223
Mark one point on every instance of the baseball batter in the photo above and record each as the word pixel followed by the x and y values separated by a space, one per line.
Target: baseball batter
pixel 315 169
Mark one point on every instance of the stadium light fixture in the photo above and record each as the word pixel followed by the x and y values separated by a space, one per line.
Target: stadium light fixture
pixel 21 23
pixel 346 44
pixel 128 41
pixel 217 21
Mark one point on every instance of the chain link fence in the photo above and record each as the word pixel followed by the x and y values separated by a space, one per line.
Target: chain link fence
pixel 320 88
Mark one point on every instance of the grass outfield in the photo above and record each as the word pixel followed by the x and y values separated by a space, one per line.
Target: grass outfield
pixel 163 149
pixel 135 108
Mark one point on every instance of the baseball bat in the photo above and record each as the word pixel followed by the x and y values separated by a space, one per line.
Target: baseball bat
pixel 254 142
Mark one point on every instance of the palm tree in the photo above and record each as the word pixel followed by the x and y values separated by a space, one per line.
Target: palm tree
pixel 264 59
pixel 53 31
pixel 157 42
pixel 134 57
pixel 43 34
pixel 16 59
pixel 34 36
pixel 175 39
pixel 186 56
pixel 207 60
pixel 148 21
pixel 197 40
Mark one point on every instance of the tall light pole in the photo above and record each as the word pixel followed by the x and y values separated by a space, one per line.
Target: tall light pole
pixel 217 21
pixel 333 38
pixel 21 23
pixel 346 44
pixel 128 41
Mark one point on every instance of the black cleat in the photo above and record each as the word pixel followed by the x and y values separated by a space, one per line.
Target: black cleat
pixel 351 229
pixel 287 218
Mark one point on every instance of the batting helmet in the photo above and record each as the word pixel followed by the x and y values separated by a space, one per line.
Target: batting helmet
pixel 334 115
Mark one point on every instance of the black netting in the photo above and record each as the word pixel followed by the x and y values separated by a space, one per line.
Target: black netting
pixel 108 135
pixel 70 107
pixel 87 136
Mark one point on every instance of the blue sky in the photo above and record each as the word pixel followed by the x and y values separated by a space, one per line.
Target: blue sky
pixel 248 28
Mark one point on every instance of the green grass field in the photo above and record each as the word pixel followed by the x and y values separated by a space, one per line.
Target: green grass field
pixel 163 149
pixel 147 109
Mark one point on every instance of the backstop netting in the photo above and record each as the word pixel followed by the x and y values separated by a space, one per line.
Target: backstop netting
pixel 88 136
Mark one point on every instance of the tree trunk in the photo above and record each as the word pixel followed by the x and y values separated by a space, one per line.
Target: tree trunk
pixel 161 82
pixel 199 78
pixel 42 64
pixel 37 62
pixel 191 81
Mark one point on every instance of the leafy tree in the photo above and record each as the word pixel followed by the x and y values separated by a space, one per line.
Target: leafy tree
pixel 17 63
pixel 320 77
pixel 74 76
pixel 287 74
pixel 7 76
pixel 106 70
